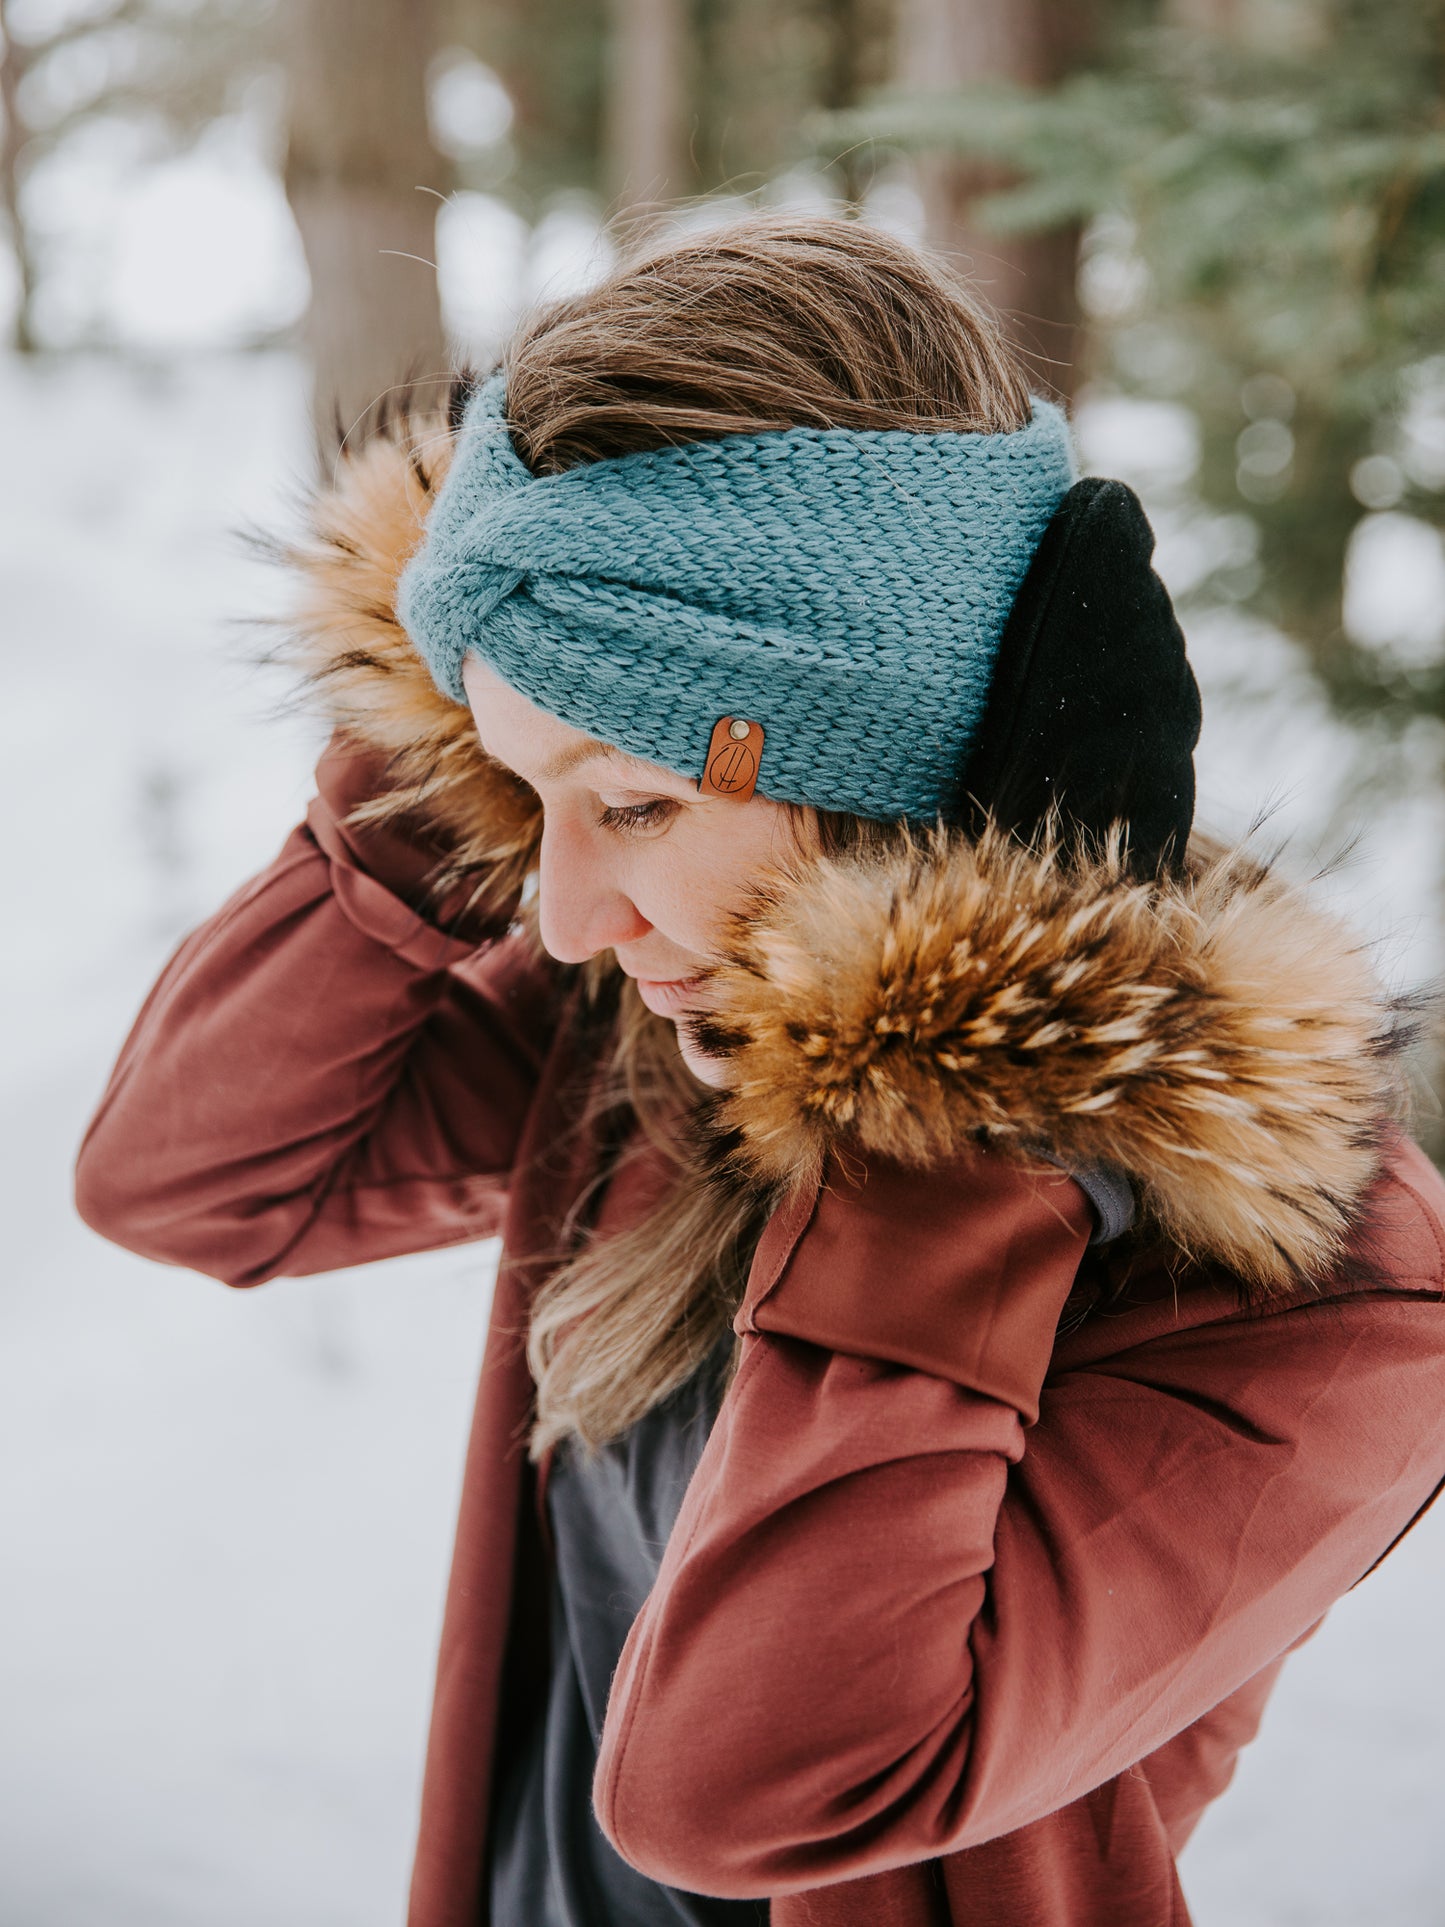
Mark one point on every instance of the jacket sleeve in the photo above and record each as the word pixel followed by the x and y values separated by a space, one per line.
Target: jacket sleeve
pixel 899 1629
pixel 320 1076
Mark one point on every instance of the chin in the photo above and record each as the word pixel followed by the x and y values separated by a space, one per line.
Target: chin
pixel 712 1071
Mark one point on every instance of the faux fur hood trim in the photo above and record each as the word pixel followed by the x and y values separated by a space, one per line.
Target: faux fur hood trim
pixel 358 669
pixel 1218 1037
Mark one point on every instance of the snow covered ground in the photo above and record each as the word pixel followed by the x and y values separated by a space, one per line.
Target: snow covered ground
pixel 226 1517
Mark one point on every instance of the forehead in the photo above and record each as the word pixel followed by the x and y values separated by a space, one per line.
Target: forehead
pixel 517 731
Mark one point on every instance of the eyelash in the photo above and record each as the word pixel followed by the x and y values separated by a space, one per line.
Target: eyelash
pixel 636 817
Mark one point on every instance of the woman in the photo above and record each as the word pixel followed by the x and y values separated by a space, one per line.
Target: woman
pixel 968 1305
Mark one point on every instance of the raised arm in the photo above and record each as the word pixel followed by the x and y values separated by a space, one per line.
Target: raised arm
pixel 915 1609
pixel 321 1075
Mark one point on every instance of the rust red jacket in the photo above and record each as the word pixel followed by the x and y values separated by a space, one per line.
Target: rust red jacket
pixel 1000 1539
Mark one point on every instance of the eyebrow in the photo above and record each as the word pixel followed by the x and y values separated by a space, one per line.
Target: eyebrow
pixel 586 751
pixel 589 750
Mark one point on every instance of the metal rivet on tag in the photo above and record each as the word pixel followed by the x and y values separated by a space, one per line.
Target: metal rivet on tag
pixel 733 756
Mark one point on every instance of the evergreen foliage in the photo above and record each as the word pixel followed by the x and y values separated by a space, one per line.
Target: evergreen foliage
pixel 1266 220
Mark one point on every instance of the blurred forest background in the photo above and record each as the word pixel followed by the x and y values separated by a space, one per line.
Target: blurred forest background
pixel 1217 230
pixel 1234 212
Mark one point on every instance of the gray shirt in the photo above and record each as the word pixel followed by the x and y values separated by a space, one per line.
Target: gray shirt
pixel 611 1519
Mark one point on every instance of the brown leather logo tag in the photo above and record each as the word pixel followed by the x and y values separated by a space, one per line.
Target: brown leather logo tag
pixel 733 756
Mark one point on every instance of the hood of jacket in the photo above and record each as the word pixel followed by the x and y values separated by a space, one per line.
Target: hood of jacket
pixel 1214 1033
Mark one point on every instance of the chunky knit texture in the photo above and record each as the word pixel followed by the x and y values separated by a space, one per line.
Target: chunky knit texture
pixel 847 589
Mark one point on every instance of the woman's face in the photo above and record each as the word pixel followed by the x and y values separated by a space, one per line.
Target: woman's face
pixel 633 858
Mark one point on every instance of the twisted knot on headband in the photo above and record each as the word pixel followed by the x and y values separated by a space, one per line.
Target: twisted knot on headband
pixel 846 589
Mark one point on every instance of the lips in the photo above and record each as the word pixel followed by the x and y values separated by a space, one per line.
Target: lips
pixel 665 999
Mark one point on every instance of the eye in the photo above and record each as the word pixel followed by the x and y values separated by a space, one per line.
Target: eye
pixel 638 816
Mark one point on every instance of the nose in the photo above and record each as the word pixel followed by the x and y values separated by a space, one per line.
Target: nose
pixel 580 908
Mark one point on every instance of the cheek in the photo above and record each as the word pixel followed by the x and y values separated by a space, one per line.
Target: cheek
pixel 709 872
pixel 679 896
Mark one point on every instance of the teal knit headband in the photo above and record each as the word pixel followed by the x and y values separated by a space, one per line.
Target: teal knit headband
pixel 847 589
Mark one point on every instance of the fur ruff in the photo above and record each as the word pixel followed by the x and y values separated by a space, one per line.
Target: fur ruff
pixel 1219 1037
pixel 358 668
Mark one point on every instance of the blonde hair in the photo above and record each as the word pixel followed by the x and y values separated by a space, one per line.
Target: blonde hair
pixel 771 321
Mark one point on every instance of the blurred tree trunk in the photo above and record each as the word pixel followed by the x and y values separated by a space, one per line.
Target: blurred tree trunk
pixel 644 133
pixel 1203 16
pixel 845 72
pixel 359 150
pixel 947 44
pixel 12 147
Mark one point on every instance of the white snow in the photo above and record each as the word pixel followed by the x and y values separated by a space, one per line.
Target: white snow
pixel 226 1516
